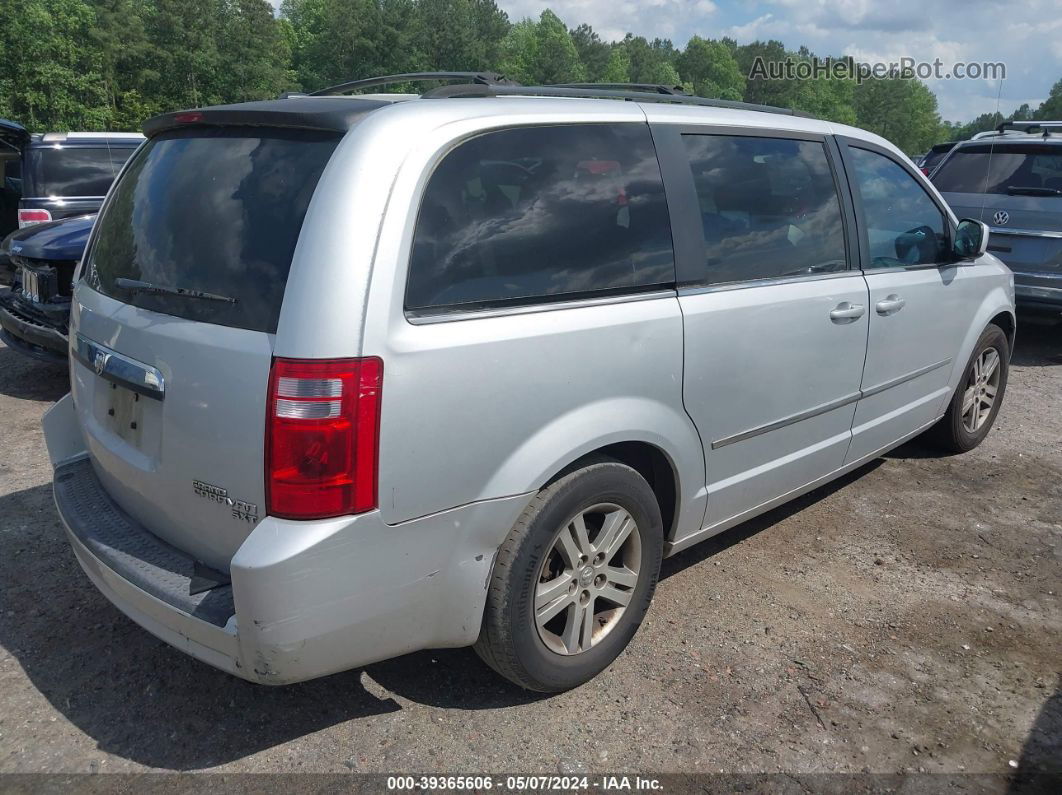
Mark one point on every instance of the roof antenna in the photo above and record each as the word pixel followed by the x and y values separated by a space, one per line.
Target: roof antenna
pixel 991 150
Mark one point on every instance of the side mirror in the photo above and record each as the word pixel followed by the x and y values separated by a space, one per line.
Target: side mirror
pixel 971 239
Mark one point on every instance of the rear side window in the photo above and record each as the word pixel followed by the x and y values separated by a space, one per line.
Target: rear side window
pixel 211 210
pixel 71 171
pixel 542 213
pixel 1023 169
pixel 768 206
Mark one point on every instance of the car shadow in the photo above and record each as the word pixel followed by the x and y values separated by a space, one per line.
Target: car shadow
pixel 30 379
pixel 1040 763
pixel 1039 343
pixel 735 535
pixel 139 699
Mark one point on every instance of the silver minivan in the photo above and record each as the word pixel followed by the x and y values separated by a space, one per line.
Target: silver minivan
pixel 354 376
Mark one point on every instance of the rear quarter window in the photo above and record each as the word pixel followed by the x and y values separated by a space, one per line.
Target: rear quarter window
pixel 542 213
pixel 213 210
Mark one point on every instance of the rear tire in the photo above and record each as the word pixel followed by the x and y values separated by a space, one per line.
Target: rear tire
pixel 573 579
pixel 977 399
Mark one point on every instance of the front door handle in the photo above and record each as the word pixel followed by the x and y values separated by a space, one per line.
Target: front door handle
pixel 890 305
pixel 846 311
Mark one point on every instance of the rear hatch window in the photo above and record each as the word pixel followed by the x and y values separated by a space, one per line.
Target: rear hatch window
pixel 212 210
pixel 74 171
pixel 1014 169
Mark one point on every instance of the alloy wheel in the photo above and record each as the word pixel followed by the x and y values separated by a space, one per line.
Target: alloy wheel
pixel 981 389
pixel 587 578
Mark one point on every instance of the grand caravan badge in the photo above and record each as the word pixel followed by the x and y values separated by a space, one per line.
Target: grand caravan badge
pixel 245 511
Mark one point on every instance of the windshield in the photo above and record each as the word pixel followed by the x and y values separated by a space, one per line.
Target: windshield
pixel 74 171
pixel 1007 168
pixel 214 211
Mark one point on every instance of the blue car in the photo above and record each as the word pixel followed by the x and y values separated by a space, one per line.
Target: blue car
pixel 35 312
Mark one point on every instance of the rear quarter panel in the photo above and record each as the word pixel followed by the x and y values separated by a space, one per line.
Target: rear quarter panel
pixel 487 407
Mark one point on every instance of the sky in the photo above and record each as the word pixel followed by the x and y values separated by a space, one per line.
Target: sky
pixel 1025 36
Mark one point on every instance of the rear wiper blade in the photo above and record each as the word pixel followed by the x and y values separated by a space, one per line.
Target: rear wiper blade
pixel 1018 190
pixel 162 289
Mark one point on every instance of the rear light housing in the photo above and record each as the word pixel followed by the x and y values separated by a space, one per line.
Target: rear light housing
pixel 322 437
pixel 31 217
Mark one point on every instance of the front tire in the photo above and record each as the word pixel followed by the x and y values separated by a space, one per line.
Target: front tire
pixel 977 399
pixel 573 579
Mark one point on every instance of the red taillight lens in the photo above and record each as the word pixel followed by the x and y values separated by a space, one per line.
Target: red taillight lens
pixel 188 118
pixel 30 217
pixel 322 437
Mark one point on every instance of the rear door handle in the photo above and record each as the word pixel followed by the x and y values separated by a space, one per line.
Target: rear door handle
pixel 890 305
pixel 846 311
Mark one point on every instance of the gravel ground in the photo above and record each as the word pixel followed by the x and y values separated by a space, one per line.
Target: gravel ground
pixel 906 618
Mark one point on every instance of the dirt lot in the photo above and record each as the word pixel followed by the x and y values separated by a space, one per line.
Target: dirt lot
pixel 906 618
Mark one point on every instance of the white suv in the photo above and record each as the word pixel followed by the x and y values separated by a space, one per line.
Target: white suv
pixel 355 376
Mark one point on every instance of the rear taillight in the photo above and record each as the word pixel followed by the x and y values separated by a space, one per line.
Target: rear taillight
pixel 31 217
pixel 322 433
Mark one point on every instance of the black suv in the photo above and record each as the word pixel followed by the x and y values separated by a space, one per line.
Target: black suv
pixel 50 176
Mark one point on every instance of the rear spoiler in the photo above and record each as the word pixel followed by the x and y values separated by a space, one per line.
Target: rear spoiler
pixel 335 114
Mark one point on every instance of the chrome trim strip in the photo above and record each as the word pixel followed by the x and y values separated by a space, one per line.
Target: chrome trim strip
pixel 903 379
pixel 825 407
pixel 728 286
pixel 1041 275
pixel 1036 291
pixel 526 309
pixel 120 369
pixel 1002 230
pixel 773 426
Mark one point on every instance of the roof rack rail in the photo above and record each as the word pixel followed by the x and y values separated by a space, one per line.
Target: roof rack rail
pixel 475 78
pixel 1031 127
pixel 650 87
pixel 503 90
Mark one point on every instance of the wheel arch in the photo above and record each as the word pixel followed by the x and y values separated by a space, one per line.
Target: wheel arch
pixel 659 442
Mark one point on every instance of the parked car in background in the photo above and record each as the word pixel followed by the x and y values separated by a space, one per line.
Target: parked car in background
pixel 35 312
pixel 51 176
pixel 573 335
pixel 931 159
pixel 1012 180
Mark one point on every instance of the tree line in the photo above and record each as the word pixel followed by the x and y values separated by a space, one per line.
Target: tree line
pixel 109 64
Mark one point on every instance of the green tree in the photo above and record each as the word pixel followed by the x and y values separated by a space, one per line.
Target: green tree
pixel 594 53
pixel 1051 108
pixel 52 77
pixel 253 53
pixel 711 68
pixel 618 68
pixel 649 63
pixel 541 53
pixel 899 108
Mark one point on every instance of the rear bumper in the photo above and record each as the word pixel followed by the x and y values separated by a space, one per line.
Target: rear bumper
pixel 306 598
pixel 30 336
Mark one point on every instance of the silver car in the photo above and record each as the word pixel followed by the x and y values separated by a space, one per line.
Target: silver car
pixel 354 376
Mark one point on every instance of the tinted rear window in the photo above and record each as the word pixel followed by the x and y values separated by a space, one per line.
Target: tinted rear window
pixel 74 171
pixel 212 210
pixel 542 213
pixel 985 168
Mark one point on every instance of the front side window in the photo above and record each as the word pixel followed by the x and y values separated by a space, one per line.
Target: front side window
pixel 903 225
pixel 542 213
pixel 768 207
